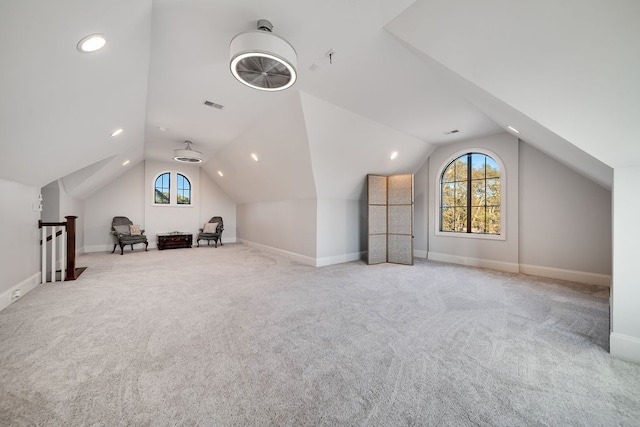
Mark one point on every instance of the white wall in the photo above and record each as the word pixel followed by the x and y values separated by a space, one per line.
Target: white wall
pixel 421 211
pixel 50 202
pixel 287 227
pixel 215 202
pixel 56 205
pixel 499 254
pixel 341 230
pixel 625 327
pixel 344 148
pixel 19 256
pixel 72 206
pixel 558 222
pixel 565 219
pixel 131 195
pixel 169 218
pixel 124 196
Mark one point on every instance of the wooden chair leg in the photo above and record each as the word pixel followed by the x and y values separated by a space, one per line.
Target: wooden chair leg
pixel 114 248
pixel 122 245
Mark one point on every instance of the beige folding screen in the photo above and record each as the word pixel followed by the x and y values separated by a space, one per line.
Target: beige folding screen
pixel 390 226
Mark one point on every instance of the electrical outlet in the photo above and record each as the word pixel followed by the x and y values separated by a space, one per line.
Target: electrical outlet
pixel 16 294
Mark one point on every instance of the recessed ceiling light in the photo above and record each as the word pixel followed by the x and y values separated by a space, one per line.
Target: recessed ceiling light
pixel 91 43
pixel 116 132
pixel 126 162
pixel 220 173
pixel 163 129
pixel 394 155
pixel 254 156
pixel 513 129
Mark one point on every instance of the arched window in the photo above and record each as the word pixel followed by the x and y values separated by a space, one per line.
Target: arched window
pixel 161 189
pixel 184 190
pixel 470 195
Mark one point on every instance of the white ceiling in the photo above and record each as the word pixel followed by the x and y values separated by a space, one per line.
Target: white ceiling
pixel 370 74
pixel 164 58
pixel 572 66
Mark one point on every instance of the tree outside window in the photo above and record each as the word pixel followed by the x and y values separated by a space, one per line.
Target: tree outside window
pixel 470 195
pixel 184 190
pixel 161 189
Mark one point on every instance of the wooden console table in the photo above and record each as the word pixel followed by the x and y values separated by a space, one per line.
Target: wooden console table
pixel 174 240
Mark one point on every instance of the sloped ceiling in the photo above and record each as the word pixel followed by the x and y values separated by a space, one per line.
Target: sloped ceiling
pixel 536 134
pixel 283 170
pixel 345 147
pixel 59 106
pixel 571 66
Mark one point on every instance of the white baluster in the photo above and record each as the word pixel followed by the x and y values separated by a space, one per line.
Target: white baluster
pixel 44 254
pixel 53 254
pixel 63 250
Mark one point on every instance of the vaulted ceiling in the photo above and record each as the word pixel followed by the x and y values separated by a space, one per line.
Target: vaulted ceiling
pixel 403 74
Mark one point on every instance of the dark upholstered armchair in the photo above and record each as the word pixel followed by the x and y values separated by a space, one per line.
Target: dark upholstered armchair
pixel 211 231
pixel 121 230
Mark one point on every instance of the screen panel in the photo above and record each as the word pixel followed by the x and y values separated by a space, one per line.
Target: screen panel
pixel 377 252
pixel 390 219
pixel 400 189
pixel 377 219
pixel 400 249
pixel 377 190
pixel 400 219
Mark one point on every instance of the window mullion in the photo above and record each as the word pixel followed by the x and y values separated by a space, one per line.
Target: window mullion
pixel 468 193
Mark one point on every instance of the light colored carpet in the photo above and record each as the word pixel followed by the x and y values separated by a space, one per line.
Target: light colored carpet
pixel 234 336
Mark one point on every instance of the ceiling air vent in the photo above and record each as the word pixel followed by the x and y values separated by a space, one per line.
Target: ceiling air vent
pixel 214 105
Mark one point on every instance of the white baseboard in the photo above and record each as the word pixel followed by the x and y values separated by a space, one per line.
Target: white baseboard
pixel 475 262
pixel 152 245
pixel 570 275
pixel 624 347
pixel 98 248
pixel 339 259
pixel 419 254
pixel 531 270
pixel 6 298
pixel 303 259
pixel 224 240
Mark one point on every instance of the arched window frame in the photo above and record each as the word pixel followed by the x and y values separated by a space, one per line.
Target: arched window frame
pixel 173 189
pixel 181 189
pixel 162 188
pixel 503 197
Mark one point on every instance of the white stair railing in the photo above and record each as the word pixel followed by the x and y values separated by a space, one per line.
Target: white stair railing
pixel 67 232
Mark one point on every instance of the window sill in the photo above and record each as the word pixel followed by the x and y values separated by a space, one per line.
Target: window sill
pixel 471 235
pixel 164 205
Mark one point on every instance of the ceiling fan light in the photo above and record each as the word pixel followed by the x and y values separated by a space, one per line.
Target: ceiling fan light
pixel 187 155
pixel 262 60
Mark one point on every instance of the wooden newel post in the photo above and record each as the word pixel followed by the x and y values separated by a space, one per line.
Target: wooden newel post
pixel 71 247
